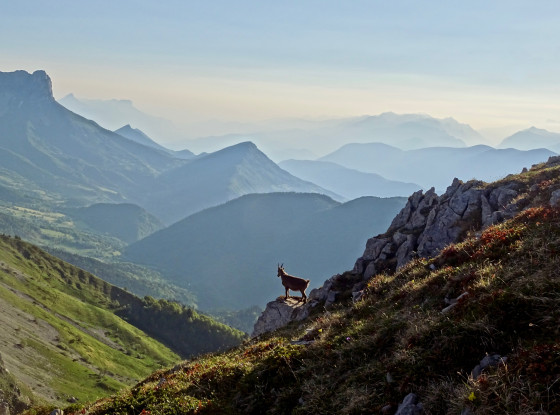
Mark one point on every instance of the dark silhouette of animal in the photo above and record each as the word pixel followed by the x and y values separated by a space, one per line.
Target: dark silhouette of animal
pixel 292 283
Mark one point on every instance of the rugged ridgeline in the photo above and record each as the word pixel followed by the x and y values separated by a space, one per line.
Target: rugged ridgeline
pixel 426 225
pixel 472 329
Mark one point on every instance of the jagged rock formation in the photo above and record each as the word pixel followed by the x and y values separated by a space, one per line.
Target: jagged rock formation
pixel 430 222
pixel 426 225
pixel 20 88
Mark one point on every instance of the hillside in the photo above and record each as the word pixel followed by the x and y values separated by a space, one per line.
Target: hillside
pixel 124 221
pixel 471 330
pixel 140 137
pixel 66 333
pixel 227 255
pixel 445 163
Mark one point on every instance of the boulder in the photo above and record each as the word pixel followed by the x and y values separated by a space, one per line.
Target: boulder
pixel 279 313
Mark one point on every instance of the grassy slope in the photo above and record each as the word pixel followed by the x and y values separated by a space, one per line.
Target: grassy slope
pixel 364 357
pixel 41 224
pixel 62 338
pixel 61 334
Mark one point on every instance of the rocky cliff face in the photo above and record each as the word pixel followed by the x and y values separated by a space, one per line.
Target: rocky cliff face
pixel 430 222
pixel 427 224
pixel 20 87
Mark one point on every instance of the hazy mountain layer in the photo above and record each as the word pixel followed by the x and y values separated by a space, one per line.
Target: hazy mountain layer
pixel 227 255
pixel 347 182
pixel 140 137
pixel 114 113
pixel 532 138
pixel 436 166
pixel 44 146
pixel 215 178
pixel 301 139
pixel 58 156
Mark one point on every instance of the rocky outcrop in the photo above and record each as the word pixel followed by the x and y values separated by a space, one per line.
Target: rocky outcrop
pixel 20 87
pixel 279 313
pixel 426 225
pixel 430 222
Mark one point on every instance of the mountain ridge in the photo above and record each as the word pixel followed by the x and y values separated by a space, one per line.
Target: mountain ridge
pixel 206 249
pixel 445 163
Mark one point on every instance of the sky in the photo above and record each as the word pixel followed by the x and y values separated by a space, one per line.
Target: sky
pixel 492 64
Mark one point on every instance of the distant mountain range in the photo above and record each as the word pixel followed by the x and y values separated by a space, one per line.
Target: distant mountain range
pixel 436 166
pixel 212 179
pixel 299 140
pixel 532 138
pixel 140 137
pixel 56 155
pixel 347 182
pixel 118 187
pixel 227 255
pixel 46 148
pixel 114 113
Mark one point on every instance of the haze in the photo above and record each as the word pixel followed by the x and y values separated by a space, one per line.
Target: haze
pixel 493 65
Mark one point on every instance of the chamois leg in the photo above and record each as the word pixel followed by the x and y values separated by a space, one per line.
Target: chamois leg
pixel 287 290
pixel 303 296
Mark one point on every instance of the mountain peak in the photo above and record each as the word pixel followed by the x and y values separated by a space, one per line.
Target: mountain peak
pixel 21 87
pixel 245 147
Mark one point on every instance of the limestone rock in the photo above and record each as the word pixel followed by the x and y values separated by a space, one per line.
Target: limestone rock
pixel 321 294
pixel 279 313
pixel 429 222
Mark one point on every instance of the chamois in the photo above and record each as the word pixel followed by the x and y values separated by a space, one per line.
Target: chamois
pixel 293 283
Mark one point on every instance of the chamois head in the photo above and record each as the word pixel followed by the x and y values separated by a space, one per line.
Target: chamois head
pixel 280 270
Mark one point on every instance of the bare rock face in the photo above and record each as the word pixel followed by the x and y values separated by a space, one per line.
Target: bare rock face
pixel 279 313
pixel 430 222
pixel 20 88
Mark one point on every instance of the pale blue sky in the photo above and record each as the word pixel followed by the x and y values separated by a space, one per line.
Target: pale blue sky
pixel 487 63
